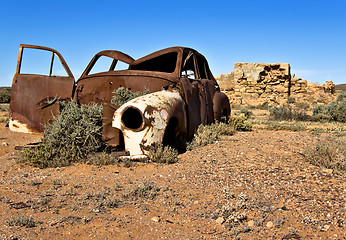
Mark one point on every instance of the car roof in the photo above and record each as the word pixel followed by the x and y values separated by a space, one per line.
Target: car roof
pixel 162 52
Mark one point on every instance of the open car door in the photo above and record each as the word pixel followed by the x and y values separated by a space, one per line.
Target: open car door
pixel 35 97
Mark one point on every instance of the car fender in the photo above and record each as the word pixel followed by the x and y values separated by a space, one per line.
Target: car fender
pixel 221 106
pixel 144 121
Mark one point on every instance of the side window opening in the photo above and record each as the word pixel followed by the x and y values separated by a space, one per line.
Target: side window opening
pixel 41 62
pixel 164 63
pixel 202 68
pixel 188 67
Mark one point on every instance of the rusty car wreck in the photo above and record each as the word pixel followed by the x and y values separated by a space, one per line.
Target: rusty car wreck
pixel 183 95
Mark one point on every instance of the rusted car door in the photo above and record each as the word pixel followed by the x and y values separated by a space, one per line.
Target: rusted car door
pixel 35 97
pixel 197 93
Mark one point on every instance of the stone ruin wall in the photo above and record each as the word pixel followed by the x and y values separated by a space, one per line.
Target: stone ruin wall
pixel 272 84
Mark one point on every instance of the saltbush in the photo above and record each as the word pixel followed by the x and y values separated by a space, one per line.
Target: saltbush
pixel 286 113
pixel 163 154
pixel 334 111
pixel 70 138
pixel 123 95
pixel 239 123
pixel 5 94
pixel 328 154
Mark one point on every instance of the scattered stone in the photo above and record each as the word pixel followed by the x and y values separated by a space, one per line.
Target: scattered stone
pixel 326 170
pixel 251 223
pixel 270 224
pixel 196 202
pixel 220 220
pixel 155 219
pixel 325 228
pixel 4 144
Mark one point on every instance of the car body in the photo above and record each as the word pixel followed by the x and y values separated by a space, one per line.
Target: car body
pixel 183 95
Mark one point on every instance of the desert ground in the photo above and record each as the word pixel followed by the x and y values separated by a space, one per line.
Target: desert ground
pixel 251 185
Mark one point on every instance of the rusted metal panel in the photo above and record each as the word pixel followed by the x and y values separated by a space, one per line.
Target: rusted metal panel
pixel 35 98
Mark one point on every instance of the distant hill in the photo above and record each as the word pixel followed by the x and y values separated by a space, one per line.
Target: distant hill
pixel 340 87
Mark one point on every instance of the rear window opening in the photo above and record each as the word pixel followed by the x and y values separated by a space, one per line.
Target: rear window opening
pixel 164 63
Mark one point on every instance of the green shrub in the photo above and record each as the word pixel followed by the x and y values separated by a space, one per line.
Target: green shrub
pixel 247 113
pixel 207 134
pixel 101 158
pixel 161 154
pixel 123 95
pixel 334 111
pixel 282 126
pixel 22 221
pixel 328 154
pixel 70 138
pixel 5 94
pixel 288 113
pixel 291 100
pixel 263 106
pixel 341 97
pixel 4 108
pixel 302 105
pixel 146 190
pixel 239 123
pixel 204 135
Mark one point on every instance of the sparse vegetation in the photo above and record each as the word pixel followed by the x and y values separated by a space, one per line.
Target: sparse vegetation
pixel 247 113
pixel 334 111
pixel 205 134
pixel 289 126
pixel 5 94
pixel 163 154
pixel 146 190
pixel 70 138
pixel 328 154
pixel 4 108
pixel 123 95
pixel 101 158
pixel 240 123
pixel 22 221
pixel 288 113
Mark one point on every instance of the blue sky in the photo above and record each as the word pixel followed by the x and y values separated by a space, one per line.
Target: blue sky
pixel 310 35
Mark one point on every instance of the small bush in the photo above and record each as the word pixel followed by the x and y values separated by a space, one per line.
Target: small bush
pixel 205 134
pixel 282 126
pixel 4 120
pixel 302 105
pixel 239 123
pixel 22 221
pixel 291 100
pixel 263 106
pixel 247 113
pixel 123 95
pixel 334 111
pixel 328 154
pixel 70 138
pixel 146 190
pixel 288 113
pixel 4 108
pixel 341 97
pixel 101 159
pixel 5 94
pixel 161 154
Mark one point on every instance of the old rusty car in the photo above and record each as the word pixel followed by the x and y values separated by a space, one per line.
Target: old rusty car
pixel 183 94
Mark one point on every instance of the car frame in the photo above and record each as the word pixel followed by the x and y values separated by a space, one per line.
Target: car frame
pixel 183 95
